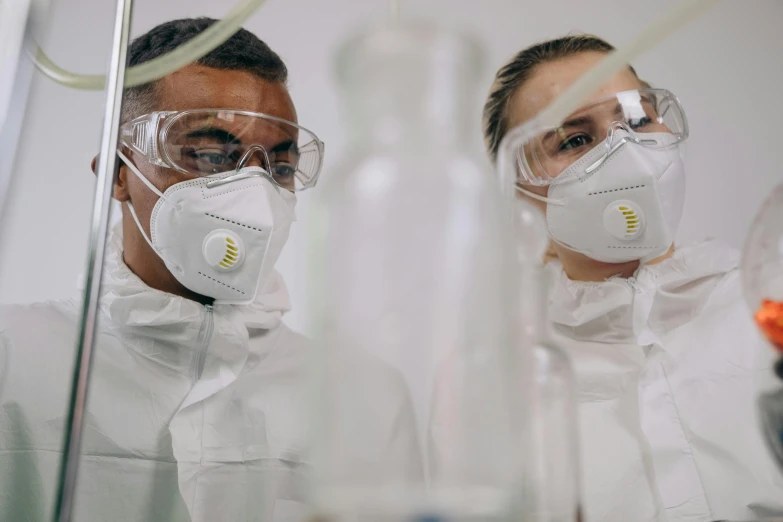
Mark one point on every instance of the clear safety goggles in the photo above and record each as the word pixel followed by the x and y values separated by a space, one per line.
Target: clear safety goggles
pixel 653 118
pixel 204 142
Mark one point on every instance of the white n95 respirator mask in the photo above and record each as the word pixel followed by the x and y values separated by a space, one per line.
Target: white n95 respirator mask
pixel 220 236
pixel 621 204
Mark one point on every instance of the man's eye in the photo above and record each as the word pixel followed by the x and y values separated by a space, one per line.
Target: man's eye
pixel 639 122
pixel 574 142
pixel 212 157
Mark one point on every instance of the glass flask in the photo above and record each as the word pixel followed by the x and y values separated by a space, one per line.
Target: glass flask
pixel 550 415
pixel 412 250
pixel 762 281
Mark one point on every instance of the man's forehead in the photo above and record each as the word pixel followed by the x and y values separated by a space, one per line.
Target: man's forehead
pixel 235 125
pixel 199 87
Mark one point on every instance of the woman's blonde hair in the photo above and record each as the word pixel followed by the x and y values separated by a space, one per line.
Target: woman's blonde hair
pixel 518 70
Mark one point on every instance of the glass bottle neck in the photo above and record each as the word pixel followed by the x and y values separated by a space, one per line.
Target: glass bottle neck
pixel 410 86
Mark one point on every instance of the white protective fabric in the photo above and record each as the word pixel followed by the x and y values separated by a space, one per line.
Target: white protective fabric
pixel 189 418
pixel 668 365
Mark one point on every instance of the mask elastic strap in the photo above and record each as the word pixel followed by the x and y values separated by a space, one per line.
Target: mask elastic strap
pixel 548 201
pixel 147 239
pixel 139 175
pixel 133 210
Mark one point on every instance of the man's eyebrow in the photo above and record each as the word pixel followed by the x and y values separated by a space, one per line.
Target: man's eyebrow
pixel 213 132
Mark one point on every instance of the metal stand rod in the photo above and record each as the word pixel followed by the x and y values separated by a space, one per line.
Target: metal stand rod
pixel 107 169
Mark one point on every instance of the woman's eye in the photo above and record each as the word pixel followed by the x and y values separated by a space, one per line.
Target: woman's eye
pixel 283 170
pixel 574 142
pixel 639 122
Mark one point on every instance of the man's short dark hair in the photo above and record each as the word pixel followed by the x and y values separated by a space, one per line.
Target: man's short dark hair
pixel 242 52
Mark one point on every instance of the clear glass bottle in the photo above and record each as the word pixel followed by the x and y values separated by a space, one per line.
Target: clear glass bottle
pixel 549 417
pixel 412 280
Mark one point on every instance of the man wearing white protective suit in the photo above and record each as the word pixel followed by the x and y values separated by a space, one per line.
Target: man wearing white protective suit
pixel 666 357
pixel 195 410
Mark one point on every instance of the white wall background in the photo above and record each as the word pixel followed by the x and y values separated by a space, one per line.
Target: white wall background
pixel 725 67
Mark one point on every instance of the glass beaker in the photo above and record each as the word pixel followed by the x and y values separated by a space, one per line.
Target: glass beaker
pixel 412 248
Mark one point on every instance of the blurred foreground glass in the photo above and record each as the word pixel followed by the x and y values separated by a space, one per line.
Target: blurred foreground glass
pixel 413 293
pixel 45 202
pixel 550 415
pixel 762 279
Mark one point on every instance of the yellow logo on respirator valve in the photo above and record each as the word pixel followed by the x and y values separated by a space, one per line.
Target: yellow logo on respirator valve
pixel 624 220
pixel 232 254
pixel 631 220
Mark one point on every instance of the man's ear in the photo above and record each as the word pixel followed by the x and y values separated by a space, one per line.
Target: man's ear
pixel 121 193
pixel 120 184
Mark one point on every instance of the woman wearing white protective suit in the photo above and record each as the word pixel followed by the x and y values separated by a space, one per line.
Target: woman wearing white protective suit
pixel 195 410
pixel 666 357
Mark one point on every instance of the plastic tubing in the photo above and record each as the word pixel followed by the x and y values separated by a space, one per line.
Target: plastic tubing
pixel 158 67
pixel 570 100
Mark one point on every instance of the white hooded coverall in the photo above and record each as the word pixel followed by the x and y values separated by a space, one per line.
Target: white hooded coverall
pixel 194 414
pixel 668 365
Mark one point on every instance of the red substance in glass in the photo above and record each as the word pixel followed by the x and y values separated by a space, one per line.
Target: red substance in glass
pixel 769 317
